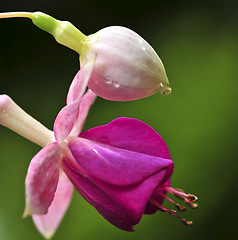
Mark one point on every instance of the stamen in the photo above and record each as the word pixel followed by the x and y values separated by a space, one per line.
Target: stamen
pixel 170 211
pixel 191 204
pixel 189 199
pixel 179 197
pixel 175 191
pixel 178 206
pixel 183 220
pixel 179 189
pixel 158 205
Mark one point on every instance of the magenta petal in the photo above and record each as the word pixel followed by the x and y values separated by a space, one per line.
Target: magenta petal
pixel 85 105
pixel 65 121
pixel 134 135
pixel 130 134
pixel 123 206
pixel 48 223
pixel 42 179
pixel 114 165
pixel 80 81
pixel 120 165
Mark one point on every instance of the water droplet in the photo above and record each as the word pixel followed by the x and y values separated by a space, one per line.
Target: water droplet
pixel 165 89
pixel 116 85
pixel 109 81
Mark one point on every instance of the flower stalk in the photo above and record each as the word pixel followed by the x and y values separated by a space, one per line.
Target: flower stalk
pixel 64 32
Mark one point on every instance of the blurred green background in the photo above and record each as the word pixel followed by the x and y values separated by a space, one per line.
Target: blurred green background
pixel 197 41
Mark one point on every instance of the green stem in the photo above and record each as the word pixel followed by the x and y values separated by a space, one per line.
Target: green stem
pixel 64 32
pixel 16 14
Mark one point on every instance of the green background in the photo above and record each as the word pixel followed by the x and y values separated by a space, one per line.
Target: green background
pixel 197 41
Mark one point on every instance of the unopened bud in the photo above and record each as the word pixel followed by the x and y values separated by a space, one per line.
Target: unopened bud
pixel 126 68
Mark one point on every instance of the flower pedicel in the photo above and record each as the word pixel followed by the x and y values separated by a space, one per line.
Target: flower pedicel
pixel 126 68
pixel 123 168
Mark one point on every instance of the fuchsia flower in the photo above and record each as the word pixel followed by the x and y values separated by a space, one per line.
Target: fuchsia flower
pixel 115 167
pixel 126 67
pixel 122 168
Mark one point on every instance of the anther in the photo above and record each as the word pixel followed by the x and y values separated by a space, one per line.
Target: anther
pixel 180 208
pixel 188 198
pixel 192 205
pixel 179 193
pixel 189 202
pixel 192 197
pixel 187 223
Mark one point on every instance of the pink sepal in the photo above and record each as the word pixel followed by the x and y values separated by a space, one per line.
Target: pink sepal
pixel 48 223
pixel 65 121
pixel 42 179
pixel 67 116
pixel 86 102
pixel 80 81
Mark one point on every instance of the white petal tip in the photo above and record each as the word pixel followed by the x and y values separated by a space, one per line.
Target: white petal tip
pixel 48 235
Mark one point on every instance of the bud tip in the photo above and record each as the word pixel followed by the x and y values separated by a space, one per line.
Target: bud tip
pixel 165 89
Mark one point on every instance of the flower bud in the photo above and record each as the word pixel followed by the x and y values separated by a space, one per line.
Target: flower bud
pixel 126 68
